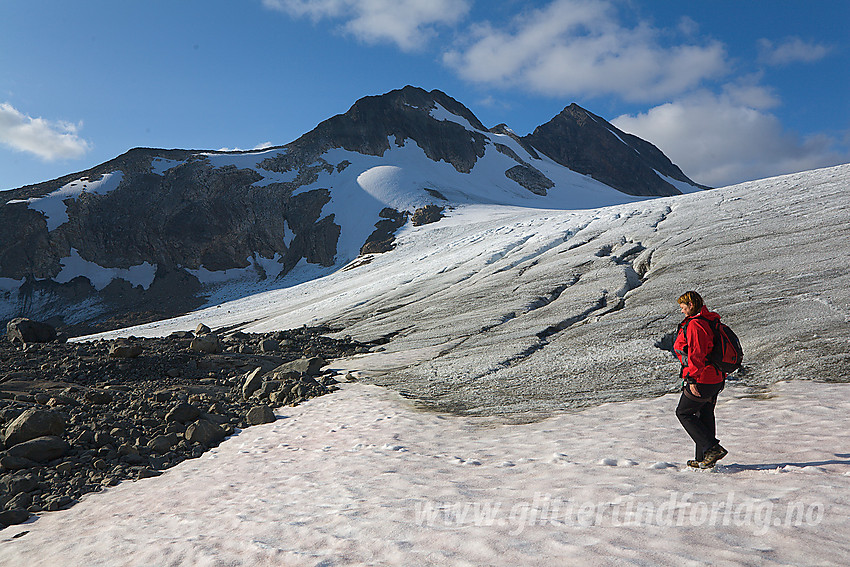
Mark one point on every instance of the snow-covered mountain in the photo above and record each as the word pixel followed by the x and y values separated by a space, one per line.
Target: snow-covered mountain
pixel 505 310
pixel 155 233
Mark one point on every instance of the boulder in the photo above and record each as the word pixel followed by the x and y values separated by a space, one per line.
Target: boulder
pixel 269 345
pixel 13 517
pixel 163 443
pixel 124 349
pixel 209 344
pixel 258 415
pixel 98 397
pixel 268 387
pixel 10 463
pixel 26 330
pixel 202 329
pixel 251 382
pixel 183 413
pixel 40 449
pixel 17 483
pixel 309 366
pixel 33 423
pixel 206 433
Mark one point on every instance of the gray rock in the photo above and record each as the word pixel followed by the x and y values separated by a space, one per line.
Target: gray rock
pixel 20 500
pixel 268 387
pixel 202 329
pixel 258 415
pixel 183 413
pixel 281 397
pixel 124 349
pixel 10 463
pixel 25 330
pixel 41 449
pixel 163 443
pixel 209 344
pixel 17 483
pixel 309 366
pixel 251 382
pixel 58 400
pixel 13 517
pixel 31 424
pixel 102 438
pixel 206 433
pixel 269 345
pixel 98 397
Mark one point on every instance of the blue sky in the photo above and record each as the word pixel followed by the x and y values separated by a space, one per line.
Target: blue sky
pixel 730 90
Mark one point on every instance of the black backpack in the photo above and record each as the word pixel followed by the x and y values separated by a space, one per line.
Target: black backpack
pixel 726 354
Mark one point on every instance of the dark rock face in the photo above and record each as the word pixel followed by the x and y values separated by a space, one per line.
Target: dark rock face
pixel 383 238
pixel 367 127
pixel 588 144
pixel 530 178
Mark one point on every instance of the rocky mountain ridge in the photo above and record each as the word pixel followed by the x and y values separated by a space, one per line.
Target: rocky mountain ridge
pixel 151 233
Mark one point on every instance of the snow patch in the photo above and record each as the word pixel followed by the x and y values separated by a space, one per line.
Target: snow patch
pixel 442 114
pixel 680 185
pixel 160 165
pixel 53 206
pixel 622 140
pixel 257 265
pixel 74 265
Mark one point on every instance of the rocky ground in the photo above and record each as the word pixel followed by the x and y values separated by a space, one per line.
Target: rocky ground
pixel 78 417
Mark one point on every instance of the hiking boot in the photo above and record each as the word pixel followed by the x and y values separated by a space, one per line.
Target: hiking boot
pixel 694 464
pixel 712 456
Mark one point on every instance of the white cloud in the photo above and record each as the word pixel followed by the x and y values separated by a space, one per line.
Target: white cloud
pixel 406 23
pixel 792 50
pixel 579 47
pixel 47 140
pixel 720 140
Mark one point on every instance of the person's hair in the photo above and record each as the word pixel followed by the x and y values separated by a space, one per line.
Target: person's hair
pixel 692 297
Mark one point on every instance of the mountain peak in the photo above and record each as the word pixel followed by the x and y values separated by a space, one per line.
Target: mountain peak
pixel 589 144
pixel 436 122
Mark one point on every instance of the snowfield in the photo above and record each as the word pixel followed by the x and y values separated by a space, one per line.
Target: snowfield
pixel 541 338
pixel 361 478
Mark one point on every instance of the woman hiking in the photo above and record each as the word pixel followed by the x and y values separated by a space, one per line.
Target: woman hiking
pixel 702 381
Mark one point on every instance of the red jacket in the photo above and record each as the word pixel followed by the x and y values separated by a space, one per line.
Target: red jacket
pixel 693 347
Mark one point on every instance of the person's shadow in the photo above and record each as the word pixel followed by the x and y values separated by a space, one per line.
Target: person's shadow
pixel 842 459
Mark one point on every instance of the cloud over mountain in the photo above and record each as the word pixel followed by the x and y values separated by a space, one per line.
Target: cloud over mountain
pixel 45 139
pixel 406 23
pixel 722 139
pixel 583 48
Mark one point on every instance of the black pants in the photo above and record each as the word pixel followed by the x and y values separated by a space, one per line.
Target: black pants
pixel 697 416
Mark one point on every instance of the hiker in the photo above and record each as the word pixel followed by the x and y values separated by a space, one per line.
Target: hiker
pixel 702 381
